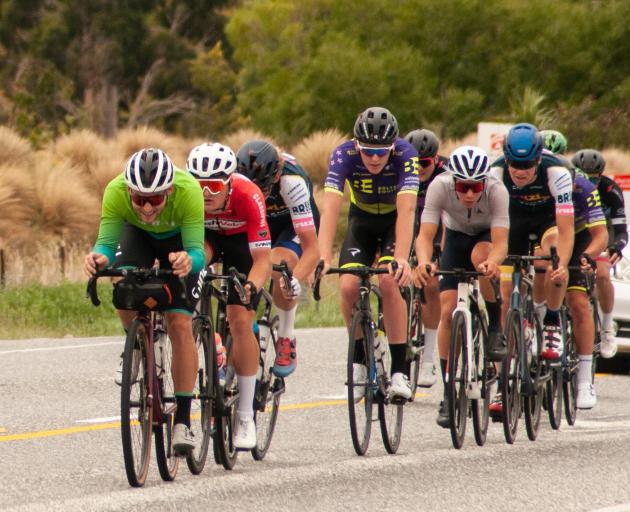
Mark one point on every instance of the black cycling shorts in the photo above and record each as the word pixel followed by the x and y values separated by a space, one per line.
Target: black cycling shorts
pixel 283 233
pixel 457 250
pixel 577 280
pixel 233 251
pixel 522 225
pixel 368 235
pixel 138 248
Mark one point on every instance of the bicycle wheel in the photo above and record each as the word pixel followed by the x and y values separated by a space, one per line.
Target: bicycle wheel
pixel 532 404
pixel 361 392
pixel 415 337
pixel 390 415
pixel 457 380
pixel 269 388
pixel 553 396
pixel 136 413
pixel 201 406
pixel 226 421
pixel 483 376
pixel 569 379
pixel 167 460
pixel 511 378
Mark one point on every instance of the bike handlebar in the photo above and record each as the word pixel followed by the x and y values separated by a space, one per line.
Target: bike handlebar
pixel 361 271
pixel 91 290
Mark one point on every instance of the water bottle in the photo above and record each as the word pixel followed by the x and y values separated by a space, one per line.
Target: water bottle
pixel 380 346
pixel 262 332
pixel 221 358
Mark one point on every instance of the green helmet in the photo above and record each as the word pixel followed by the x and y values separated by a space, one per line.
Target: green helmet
pixel 554 141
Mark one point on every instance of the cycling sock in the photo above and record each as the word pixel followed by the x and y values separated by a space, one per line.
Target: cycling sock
pixel 494 315
pixel 246 391
pixel 607 321
pixel 552 317
pixel 540 308
pixel 182 414
pixel 399 357
pixel 584 368
pixel 430 342
pixel 359 351
pixel 286 323
pixel 443 364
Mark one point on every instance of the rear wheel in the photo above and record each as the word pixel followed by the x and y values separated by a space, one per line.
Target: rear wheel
pixel 136 415
pixel 360 391
pixel 201 407
pixel 569 379
pixel 390 414
pixel 532 403
pixel 511 378
pixel 225 421
pixel 267 398
pixel 553 395
pixel 415 338
pixel 457 380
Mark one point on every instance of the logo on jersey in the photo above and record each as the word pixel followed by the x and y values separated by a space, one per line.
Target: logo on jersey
pixel 563 198
pixel 262 234
pixel 354 251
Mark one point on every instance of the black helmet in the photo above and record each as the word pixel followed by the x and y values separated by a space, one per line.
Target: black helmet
pixel 376 125
pixel 258 160
pixel 425 142
pixel 590 161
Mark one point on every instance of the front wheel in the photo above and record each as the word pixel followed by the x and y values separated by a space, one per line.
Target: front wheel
pixel 457 380
pixel 532 403
pixel 511 378
pixel 359 387
pixel 136 411
pixel 484 377
pixel 569 379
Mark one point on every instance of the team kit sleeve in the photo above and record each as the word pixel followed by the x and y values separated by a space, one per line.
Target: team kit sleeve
pixel 499 199
pixel 617 213
pixel 337 171
pixel 296 195
pixel 594 214
pixel 408 178
pixel 254 212
pixel 192 225
pixel 112 221
pixel 561 188
pixel 436 197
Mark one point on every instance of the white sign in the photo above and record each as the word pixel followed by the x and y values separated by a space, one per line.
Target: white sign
pixel 490 137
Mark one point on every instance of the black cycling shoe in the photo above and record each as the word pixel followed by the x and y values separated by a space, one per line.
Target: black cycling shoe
pixel 497 346
pixel 442 417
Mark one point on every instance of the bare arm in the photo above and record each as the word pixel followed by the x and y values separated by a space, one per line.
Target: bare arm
pixel 406 209
pixel 310 255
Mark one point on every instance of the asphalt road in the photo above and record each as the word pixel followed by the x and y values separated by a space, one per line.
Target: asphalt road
pixel 60 447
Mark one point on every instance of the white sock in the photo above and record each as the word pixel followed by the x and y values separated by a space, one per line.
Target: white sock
pixel 430 342
pixel 246 390
pixel 607 321
pixel 540 309
pixel 287 320
pixel 584 368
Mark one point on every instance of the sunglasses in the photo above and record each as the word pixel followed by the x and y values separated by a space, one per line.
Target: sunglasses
pixel 464 186
pixel 155 200
pixel 374 151
pixel 426 162
pixel 523 165
pixel 215 186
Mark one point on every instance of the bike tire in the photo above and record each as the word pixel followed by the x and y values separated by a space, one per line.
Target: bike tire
pixel 390 414
pixel 532 404
pixel 269 389
pixel 569 378
pixel 226 420
pixel 480 407
pixel 360 411
pixel 201 406
pixel 553 396
pixel 511 378
pixel 415 338
pixel 457 380
pixel 136 413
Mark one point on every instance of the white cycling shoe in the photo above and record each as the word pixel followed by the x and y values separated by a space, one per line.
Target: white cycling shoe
pixel 401 387
pixel 427 375
pixel 608 346
pixel 586 396
pixel 245 433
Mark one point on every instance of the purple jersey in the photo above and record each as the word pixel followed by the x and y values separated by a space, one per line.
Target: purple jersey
pixel 374 193
pixel 587 204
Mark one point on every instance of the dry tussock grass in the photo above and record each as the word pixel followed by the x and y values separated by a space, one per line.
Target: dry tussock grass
pixel 238 138
pixel 617 161
pixel 14 149
pixel 313 153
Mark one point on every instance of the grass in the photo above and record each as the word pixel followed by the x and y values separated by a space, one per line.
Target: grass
pixel 56 311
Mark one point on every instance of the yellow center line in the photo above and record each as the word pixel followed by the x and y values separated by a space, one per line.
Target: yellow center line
pixel 116 424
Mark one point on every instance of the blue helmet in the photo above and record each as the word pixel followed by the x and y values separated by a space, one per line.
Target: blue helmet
pixel 523 144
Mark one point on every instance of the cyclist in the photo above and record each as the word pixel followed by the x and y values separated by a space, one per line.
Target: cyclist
pixel 591 238
pixel 156 211
pixel 293 219
pixel 540 190
pixel 237 233
pixel 593 164
pixel 431 165
pixel 381 170
pixel 474 208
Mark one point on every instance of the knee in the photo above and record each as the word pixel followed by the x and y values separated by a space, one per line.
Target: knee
pixel 348 290
pixel 241 322
pixel 389 287
pixel 179 328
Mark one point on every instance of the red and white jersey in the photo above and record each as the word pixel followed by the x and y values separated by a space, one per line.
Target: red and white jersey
pixel 244 212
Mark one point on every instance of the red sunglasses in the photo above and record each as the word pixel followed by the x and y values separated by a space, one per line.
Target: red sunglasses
pixel 464 186
pixel 426 162
pixel 214 187
pixel 154 200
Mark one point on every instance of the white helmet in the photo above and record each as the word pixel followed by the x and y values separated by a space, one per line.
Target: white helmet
pixel 149 170
pixel 469 163
pixel 208 161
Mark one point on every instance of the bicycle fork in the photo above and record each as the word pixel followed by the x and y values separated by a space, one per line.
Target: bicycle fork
pixel 473 391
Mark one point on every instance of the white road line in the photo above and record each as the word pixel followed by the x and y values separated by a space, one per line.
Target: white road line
pixel 622 507
pixel 100 420
pixel 64 347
